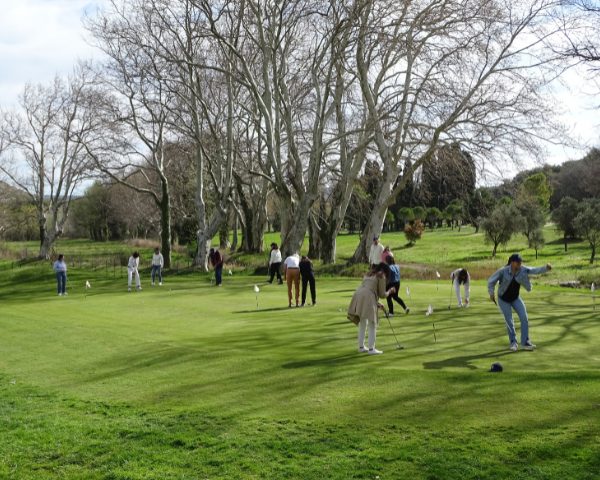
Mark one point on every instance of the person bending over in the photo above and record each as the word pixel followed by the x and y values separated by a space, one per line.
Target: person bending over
pixel 275 263
pixel 291 274
pixel 510 279
pixel 132 271
pixel 60 267
pixel 364 304
pixel 158 262
pixel 395 283
pixel 461 277
pixel 308 276
pixel 216 260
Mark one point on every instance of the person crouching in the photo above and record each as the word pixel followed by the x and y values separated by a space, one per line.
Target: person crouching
pixel 364 304
pixel 132 271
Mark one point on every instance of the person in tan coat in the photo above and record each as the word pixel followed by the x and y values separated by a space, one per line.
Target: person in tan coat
pixel 365 302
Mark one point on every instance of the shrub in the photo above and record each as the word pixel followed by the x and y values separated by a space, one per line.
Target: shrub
pixel 414 232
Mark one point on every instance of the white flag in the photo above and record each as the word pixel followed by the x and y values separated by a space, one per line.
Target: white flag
pixel 230 272
pixel 256 288
pixel 87 284
pixel 429 310
pixel 593 287
pixel 408 291
pixel 437 274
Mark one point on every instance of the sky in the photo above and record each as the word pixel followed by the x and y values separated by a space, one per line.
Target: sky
pixel 42 38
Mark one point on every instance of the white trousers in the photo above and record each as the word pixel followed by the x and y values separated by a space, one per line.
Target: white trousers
pixel 362 330
pixel 130 274
pixel 457 287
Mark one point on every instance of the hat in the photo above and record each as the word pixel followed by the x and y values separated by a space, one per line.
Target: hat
pixel 273 244
pixel 212 250
pixel 375 238
pixel 156 248
pixel 496 368
pixel 515 257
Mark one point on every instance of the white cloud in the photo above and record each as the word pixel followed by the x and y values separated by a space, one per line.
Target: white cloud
pixel 39 39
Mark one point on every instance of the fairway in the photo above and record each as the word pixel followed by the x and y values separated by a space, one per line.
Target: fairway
pixel 189 380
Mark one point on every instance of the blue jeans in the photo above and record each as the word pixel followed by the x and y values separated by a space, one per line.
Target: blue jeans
pixel 61 277
pixel 518 307
pixel 219 274
pixel 156 268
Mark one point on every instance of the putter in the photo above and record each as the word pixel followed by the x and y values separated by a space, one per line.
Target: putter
pixel 398 347
pixel 211 279
pixel 70 283
pixel 450 302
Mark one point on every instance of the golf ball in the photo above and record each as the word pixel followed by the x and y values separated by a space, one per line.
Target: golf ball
pixel 340 309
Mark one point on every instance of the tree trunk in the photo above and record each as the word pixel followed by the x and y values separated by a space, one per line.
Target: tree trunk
pixel 565 239
pixel 234 241
pixel 593 253
pixel 495 248
pixel 372 229
pixel 314 239
pixel 165 224
pixel 46 247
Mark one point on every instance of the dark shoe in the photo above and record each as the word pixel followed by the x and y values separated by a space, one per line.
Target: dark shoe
pixel 279 282
pixel 269 281
pixel 303 305
pixel 529 346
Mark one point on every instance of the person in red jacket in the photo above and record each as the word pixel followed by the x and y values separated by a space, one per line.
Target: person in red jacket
pixel 216 260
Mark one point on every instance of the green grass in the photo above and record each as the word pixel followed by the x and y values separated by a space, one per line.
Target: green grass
pixel 188 380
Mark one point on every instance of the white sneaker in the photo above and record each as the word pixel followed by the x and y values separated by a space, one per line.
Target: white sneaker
pixel 513 346
pixel 152 284
pixel 60 294
pixel 529 346
pixel 65 294
pixel 390 314
pixel 139 289
pixel 407 310
pixel 363 350
pixel 375 352
pixel 459 305
pixel 467 305
pixel 129 289
pixel 159 283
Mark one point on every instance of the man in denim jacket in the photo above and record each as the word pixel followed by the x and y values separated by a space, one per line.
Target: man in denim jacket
pixel 510 279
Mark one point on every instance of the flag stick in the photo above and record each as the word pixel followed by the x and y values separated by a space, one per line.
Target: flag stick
pixel 257 301
pixel 433 322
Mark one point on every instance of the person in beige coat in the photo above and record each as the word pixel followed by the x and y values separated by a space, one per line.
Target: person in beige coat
pixel 365 302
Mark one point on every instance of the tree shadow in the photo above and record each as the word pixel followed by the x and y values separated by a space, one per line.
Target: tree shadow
pixel 331 361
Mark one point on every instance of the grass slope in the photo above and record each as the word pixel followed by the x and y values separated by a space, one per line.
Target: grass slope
pixel 188 380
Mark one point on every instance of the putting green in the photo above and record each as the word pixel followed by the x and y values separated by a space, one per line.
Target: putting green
pixel 186 379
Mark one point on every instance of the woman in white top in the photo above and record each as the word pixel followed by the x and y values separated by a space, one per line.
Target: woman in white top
pixel 60 267
pixel 461 277
pixel 132 271
pixel 275 263
pixel 158 262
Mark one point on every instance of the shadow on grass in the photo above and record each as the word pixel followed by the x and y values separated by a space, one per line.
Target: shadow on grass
pixel 465 362
pixel 330 362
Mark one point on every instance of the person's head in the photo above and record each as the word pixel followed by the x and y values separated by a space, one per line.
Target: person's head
pixel 156 250
pixel 306 259
pixel 381 270
pixel 61 257
pixel 463 276
pixel 375 240
pixel 390 260
pixel 515 260
pixel 273 246
pixel 387 249
pixel 136 254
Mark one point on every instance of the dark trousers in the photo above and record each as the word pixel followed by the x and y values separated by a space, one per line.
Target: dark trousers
pixel 61 277
pixel 395 297
pixel 219 274
pixel 313 289
pixel 275 267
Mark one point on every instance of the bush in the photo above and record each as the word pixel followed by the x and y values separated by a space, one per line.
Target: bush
pixel 414 232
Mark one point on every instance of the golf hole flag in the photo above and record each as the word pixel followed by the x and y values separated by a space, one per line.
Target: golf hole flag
pixel 430 312
pixel 87 285
pixel 437 274
pixel 256 290
pixel 408 291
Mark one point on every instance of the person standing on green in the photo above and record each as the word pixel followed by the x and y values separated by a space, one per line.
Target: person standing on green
pixel 375 253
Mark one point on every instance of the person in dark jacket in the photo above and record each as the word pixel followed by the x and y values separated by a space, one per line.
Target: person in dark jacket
pixel 308 276
pixel 216 260
pixel 394 282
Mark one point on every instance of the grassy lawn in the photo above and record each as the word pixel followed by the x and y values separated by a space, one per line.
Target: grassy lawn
pixel 188 381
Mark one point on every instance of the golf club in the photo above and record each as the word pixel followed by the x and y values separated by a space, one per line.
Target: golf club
pixel 450 302
pixel 211 279
pixel 398 347
pixel 70 283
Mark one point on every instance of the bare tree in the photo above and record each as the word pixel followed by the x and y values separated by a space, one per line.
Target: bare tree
pixel 45 157
pixel 434 73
